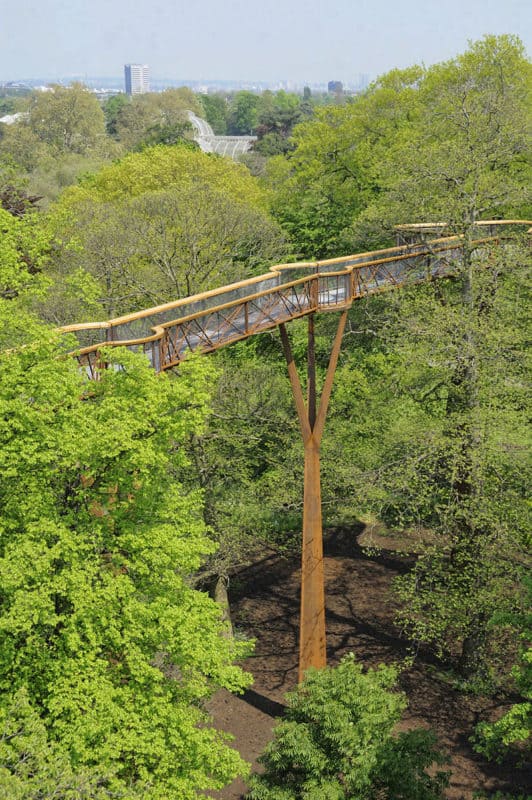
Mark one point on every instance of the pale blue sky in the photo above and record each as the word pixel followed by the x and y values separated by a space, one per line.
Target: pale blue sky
pixel 300 40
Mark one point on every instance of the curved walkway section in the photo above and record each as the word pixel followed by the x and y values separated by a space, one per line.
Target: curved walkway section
pixel 208 321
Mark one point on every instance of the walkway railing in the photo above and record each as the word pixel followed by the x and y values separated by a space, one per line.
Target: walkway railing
pixel 208 321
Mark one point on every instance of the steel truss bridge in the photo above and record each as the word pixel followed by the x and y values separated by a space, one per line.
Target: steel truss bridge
pixel 205 322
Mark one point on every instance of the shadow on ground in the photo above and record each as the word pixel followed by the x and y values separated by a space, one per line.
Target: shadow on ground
pixel 359 618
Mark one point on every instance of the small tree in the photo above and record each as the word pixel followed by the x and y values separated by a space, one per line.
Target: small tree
pixel 337 743
pixel 496 739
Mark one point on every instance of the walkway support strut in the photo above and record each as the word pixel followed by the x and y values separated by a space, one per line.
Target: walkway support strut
pixel 312 641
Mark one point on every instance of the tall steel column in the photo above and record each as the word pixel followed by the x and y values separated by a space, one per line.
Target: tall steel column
pixel 312 645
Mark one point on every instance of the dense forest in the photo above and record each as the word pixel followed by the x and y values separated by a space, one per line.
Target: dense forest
pixel 124 502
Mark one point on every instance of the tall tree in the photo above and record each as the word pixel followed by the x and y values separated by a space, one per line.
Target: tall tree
pixel 329 178
pixel 450 144
pixel 69 119
pixel 164 224
pixel 215 109
pixel 138 121
pixel 107 653
pixel 462 158
pixel 242 119
pixel 463 153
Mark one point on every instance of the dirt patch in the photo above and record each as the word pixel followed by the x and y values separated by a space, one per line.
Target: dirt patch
pixel 265 605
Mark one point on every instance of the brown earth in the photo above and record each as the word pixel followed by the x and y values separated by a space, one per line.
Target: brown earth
pixel 265 606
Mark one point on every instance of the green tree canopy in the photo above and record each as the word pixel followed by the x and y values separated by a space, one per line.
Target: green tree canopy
pixel 163 224
pixel 243 114
pixel 464 154
pixel 134 122
pixel 24 247
pixel 446 142
pixel 68 119
pixel 215 109
pixel 112 650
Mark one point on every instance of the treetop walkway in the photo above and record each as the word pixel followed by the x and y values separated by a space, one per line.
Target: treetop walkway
pixel 214 319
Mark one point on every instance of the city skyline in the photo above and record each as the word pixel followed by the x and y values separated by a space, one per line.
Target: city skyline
pixel 303 41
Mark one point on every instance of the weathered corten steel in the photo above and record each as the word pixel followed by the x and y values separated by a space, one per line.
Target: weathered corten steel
pixel 312 649
pixel 208 321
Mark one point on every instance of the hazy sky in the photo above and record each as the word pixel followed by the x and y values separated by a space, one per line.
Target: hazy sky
pixel 300 40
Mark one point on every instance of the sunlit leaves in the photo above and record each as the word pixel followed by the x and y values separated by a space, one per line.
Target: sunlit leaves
pixel 98 623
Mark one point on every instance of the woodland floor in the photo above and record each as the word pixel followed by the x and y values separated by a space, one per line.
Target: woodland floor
pixel 264 605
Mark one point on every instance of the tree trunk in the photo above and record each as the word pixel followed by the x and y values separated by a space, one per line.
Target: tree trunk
pixel 221 597
pixel 472 658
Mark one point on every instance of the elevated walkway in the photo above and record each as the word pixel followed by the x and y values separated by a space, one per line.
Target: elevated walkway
pixel 214 319
pixel 211 320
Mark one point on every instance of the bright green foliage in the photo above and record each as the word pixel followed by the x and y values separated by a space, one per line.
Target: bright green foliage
pixel 463 152
pixel 160 168
pixel 68 119
pixel 23 251
pixel 330 178
pixel 336 742
pixel 98 537
pixel 447 143
pixel 25 247
pixel 515 727
pixel 34 768
pixel 163 224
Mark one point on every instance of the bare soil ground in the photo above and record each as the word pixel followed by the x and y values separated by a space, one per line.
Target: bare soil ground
pixel 265 606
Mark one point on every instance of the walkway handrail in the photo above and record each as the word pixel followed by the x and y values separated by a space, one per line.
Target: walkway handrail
pixel 213 319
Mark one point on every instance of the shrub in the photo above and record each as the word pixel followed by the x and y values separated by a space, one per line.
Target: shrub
pixel 337 742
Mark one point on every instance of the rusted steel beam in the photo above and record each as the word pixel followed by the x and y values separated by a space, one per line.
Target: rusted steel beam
pixel 312 638
pixel 312 641
pixel 311 374
pixel 329 377
pixel 296 385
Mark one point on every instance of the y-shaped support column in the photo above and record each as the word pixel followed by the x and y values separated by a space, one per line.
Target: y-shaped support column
pixel 312 647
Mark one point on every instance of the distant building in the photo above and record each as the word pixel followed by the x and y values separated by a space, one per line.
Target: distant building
pixel 137 78
pixel 335 87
